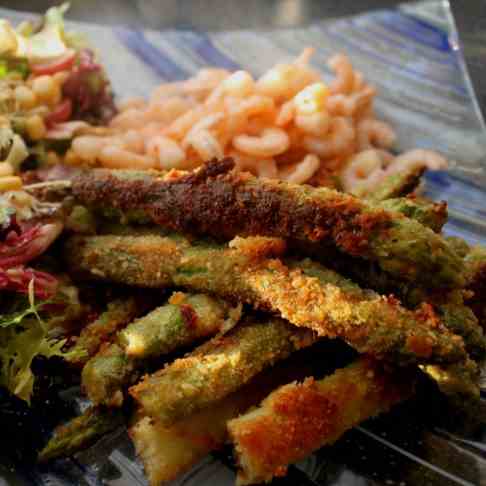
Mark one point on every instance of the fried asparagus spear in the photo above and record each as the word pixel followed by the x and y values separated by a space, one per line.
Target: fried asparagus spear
pixel 305 293
pixel 401 184
pixel 217 368
pixel 453 307
pixel 185 319
pixel 460 246
pixel 167 452
pixel 299 418
pixel 118 314
pixel 428 213
pixel 475 261
pixel 81 432
pixel 459 318
pixel 431 214
pixel 219 201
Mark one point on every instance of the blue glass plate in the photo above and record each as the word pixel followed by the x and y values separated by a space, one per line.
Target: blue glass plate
pixel 411 54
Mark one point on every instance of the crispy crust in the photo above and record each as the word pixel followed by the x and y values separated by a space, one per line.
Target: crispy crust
pixel 305 293
pixel 222 202
pixel 163 330
pixel 429 213
pixel 398 185
pixel 217 368
pixel 217 200
pixel 299 418
pixel 476 275
pixel 102 330
pixel 81 432
pixel 167 452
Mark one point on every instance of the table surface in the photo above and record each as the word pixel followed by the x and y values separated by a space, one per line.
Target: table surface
pixel 231 14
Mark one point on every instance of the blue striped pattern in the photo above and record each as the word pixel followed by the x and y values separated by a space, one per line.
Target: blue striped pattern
pixel 204 47
pixel 153 56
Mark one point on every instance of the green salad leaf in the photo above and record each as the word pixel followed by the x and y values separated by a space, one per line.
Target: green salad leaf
pixel 15 318
pixel 24 334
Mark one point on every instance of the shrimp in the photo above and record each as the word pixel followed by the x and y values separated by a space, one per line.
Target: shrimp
pixel 259 167
pixel 363 171
pixel 168 152
pixel 374 133
pixel 345 79
pixel 239 84
pixel 115 157
pixel 181 126
pixel 340 139
pixel 205 81
pixel 302 171
pixel 271 142
pixel 133 141
pixel 130 118
pixel 350 105
pixel 415 159
pixel 167 110
pixel 285 114
pixel 205 144
pixel 88 147
pixel 284 81
pixel 314 124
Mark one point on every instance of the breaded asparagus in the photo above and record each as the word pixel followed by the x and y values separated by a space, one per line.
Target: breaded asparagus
pixel 475 261
pixel 224 203
pixel 460 246
pixel 428 213
pixel 460 319
pixel 81 432
pixel 401 184
pixel 305 293
pixel 118 314
pixel 167 452
pixel 451 307
pixel 217 368
pixel 459 381
pixel 179 323
pixel 431 214
pixel 299 418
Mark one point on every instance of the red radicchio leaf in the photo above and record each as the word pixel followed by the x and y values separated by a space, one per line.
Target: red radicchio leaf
pixel 24 244
pixel 17 279
pixel 87 88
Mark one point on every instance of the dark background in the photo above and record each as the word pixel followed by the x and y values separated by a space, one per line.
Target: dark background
pixel 470 17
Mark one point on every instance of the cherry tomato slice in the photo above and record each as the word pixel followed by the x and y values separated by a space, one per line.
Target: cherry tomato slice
pixel 64 63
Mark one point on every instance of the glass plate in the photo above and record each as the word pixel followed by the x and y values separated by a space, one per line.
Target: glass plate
pixel 411 54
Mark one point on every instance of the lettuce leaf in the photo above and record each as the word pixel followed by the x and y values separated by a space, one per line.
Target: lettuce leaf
pixel 23 336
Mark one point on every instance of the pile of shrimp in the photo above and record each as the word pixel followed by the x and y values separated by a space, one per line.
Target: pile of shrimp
pixel 287 124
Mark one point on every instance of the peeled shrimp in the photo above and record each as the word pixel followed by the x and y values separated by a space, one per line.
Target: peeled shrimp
pixel 344 80
pixel 271 142
pixel 374 134
pixel 167 152
pixel 363 171
pixel 415 159
pixel 302 171
pixel 315 124
pixel 339 139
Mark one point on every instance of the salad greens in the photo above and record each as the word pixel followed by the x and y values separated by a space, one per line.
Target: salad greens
pixel 24 334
